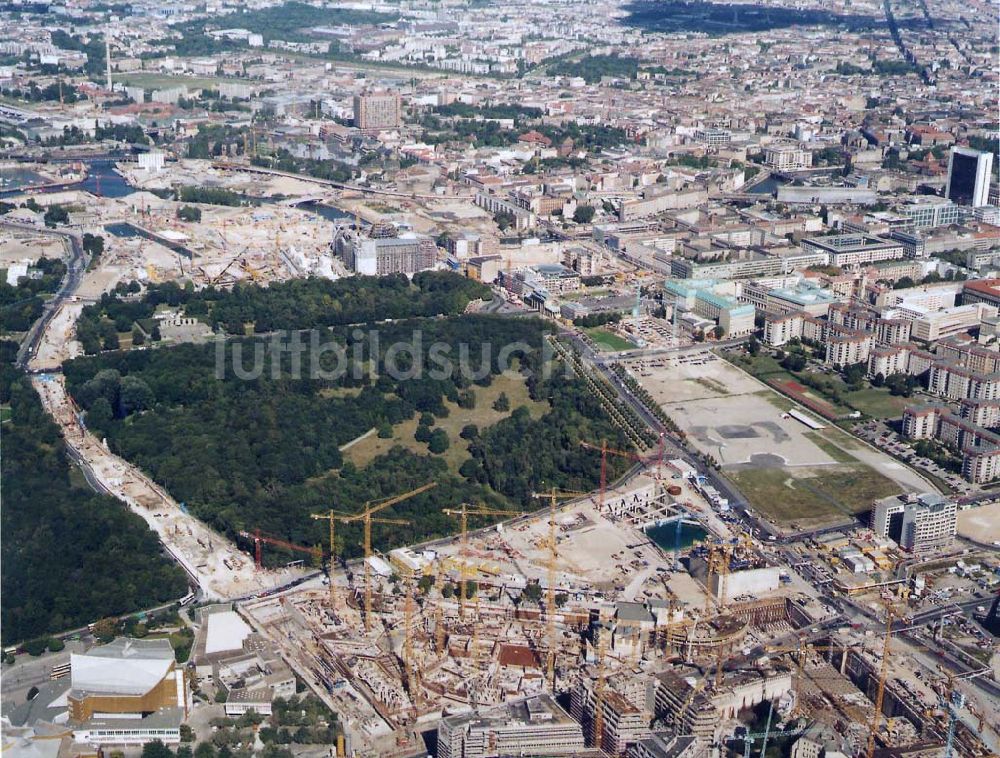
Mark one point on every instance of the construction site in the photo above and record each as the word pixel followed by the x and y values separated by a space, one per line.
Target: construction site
pixel 579 603
pixel 642 610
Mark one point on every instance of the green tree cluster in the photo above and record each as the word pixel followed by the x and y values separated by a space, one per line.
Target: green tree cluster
pixel 22 304
pixel 69 555
pixel 594 67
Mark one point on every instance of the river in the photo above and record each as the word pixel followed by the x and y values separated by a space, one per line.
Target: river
pixel 102 180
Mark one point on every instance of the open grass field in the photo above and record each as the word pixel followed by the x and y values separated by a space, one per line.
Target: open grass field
pixel 877 402
pixel 606 340
pixel 808 497
pixel 871 401
pixel 363 451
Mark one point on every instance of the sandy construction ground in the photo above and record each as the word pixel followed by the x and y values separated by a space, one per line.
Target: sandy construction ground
pixel 981 524
pixel 18 246
pixel 221 571
pixel 730 415
pixel 58 342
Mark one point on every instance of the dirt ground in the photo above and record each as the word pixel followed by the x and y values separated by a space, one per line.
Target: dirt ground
pixel 789 472
pixel 981 524
pixel 17 246
pixel 728 414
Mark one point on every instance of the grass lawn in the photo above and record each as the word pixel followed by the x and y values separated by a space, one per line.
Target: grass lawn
pixel 829 447
pixel 605 340
pixel 5 413
pixel 510 382
pixel 758 365
pixel 812 497
pixel 877 402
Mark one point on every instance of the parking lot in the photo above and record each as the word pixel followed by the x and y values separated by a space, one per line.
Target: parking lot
pixel 887 439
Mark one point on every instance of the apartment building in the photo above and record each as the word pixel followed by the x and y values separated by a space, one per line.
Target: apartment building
pixel 947 379
pixel 888 360
pixel 966 351
pixel 981 412
pixel 787 158
pixel 779 328
pixel 979 446
pixel 845 348
pixel 374 111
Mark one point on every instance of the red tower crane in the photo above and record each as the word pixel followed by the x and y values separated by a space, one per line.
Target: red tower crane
pixel 259 539
pixel 605 451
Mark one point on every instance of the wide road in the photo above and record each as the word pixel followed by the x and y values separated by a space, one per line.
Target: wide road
pixel 672 448
pixel 76 267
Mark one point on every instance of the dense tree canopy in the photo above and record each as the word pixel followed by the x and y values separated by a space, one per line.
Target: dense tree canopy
pixel 70 556
pixel 265 452
pixel 21 305
pixel 295 304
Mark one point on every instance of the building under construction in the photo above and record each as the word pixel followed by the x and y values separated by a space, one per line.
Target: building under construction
pixel 383 249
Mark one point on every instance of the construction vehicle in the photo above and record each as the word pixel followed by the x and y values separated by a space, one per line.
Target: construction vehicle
pixel 259 539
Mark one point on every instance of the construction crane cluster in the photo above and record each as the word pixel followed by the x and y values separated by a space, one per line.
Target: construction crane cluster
pixel 366 517
pixel 552 543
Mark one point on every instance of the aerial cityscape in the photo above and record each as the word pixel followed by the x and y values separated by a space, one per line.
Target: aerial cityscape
pixel 475 379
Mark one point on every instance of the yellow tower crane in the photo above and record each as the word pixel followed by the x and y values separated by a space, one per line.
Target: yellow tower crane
pixel 366 518
pixel 550 600
pixel 890 616
pixel 331 516
pixel 463 513
pixel 412 671
pixel 602 677
pixel 718 563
